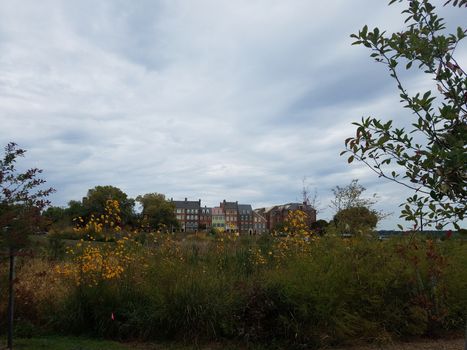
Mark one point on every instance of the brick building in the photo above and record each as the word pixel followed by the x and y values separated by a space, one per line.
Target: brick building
pixel 230 210
pixel 245 218
pixel 259 223
pixel 187 213
pixel 218 218
pixel 277 214
pixel 205 218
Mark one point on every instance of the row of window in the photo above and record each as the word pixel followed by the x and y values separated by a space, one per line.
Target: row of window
pixel 214 218
pixel 207 211
pixel 187 217
pixel 222 225
pixel 188 211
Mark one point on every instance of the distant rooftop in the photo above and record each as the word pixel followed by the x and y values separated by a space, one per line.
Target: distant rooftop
pixel 186 204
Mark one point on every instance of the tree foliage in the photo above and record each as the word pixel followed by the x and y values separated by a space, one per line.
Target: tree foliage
pixel 97 197
pixel 430 156
pixel 356 220
pixel 22 197
pixel 350 196
pixel 319 226
pixel 157 211
pixel 354 213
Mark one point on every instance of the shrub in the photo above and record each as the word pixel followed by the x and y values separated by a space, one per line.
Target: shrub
pixel 323 292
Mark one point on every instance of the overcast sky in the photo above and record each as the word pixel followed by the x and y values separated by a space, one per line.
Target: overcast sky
pixel 211 99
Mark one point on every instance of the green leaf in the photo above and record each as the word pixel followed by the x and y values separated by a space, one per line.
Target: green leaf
pixel 364 31
pixel 460 33
pixel 426 95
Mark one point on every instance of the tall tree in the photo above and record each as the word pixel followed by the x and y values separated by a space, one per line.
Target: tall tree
pixel 430 157
pixel 157 211
pixel 97 197
pixel 354 213
pixel 356 220
pixel 350 196
pixel 75 209
pixel 22 197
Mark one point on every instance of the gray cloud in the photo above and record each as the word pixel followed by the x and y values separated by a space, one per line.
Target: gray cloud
pixel 208 99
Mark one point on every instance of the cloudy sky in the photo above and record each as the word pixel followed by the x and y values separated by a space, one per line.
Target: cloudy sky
pixel 210 99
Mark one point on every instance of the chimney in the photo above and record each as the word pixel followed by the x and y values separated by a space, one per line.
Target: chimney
pixel 186 199
pixel 199 201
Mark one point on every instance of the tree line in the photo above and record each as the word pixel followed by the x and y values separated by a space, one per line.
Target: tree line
pixel 157 212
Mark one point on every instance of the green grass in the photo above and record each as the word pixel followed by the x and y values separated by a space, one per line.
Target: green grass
pixel 218 293
pixel 81 343
pixel 64 343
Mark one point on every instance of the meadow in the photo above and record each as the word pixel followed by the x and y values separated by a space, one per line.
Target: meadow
pixel 294 291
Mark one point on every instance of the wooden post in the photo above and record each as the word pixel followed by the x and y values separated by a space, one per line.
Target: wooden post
pixel 11 291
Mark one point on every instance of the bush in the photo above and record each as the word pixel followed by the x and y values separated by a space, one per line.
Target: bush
pixel 258 290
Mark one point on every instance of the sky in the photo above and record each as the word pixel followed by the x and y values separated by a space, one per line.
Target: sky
pixel 208 99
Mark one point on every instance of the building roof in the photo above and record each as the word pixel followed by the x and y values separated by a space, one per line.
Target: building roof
pixel 217 211
pixel 246 207
pixel 186 204
pixel 207 209
pixel 255 213
pixel 229 205
pixel 287 206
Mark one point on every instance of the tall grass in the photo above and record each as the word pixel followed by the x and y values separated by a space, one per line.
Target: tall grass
pixel 332 291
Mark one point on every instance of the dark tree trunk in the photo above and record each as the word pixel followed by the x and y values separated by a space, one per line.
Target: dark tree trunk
pixel 11 291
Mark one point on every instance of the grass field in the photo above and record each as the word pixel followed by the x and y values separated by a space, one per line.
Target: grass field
pixel 64 343
pixel 80 343
pixel 237 292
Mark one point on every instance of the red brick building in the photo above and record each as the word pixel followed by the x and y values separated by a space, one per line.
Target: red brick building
pixel 277 214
